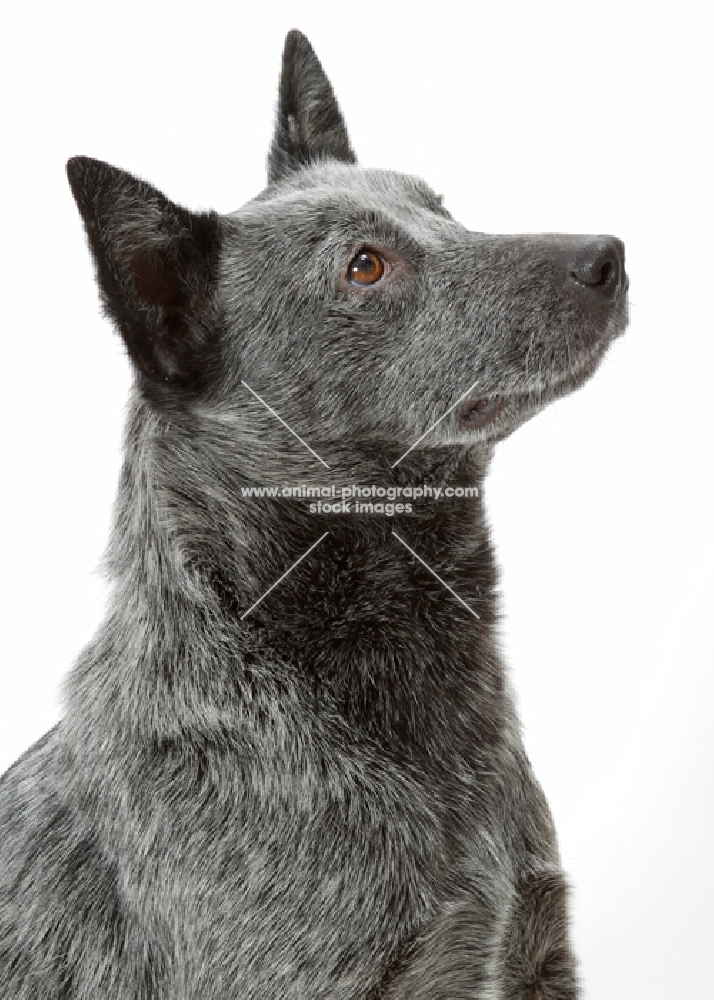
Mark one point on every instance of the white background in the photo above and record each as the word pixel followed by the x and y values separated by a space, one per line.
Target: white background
pixel 592 118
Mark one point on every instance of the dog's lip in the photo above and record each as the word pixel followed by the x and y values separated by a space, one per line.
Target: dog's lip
pixel 477 413
pixel 481 411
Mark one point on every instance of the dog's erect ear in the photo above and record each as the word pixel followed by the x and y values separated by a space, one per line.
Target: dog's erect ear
pixel 309 121
pixel 155 264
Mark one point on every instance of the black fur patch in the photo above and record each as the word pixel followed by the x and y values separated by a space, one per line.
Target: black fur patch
pixel 156 267
pixel 309 122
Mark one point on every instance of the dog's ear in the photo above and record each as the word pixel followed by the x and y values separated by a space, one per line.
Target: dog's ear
pixel 155 265
pixel 309 121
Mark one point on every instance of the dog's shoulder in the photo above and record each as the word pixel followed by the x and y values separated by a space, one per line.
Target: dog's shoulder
pixel 25 792
pixel 55 883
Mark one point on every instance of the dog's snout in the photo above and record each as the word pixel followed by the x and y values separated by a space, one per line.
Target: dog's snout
pixel 598 264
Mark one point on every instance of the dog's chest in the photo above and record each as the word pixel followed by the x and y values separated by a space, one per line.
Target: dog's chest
pixel 298 888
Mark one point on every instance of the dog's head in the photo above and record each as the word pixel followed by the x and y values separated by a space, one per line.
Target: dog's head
pixel 347 299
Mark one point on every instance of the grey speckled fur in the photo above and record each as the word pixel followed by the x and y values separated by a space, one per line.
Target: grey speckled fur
pixel 328 798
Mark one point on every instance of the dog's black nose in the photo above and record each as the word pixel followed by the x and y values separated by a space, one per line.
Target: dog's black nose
pixel 598 263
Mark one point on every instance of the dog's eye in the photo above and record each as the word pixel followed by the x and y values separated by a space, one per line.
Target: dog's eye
pixel 366 268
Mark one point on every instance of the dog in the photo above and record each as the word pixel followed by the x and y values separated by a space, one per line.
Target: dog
pixel 289 764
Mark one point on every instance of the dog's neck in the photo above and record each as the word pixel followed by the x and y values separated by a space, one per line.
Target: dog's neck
pixel 376 618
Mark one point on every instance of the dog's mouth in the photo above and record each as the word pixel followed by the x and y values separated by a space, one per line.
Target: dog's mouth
pixel 477 413
pixel 482 411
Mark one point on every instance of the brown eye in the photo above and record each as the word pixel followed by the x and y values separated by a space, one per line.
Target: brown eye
pixel 366 268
